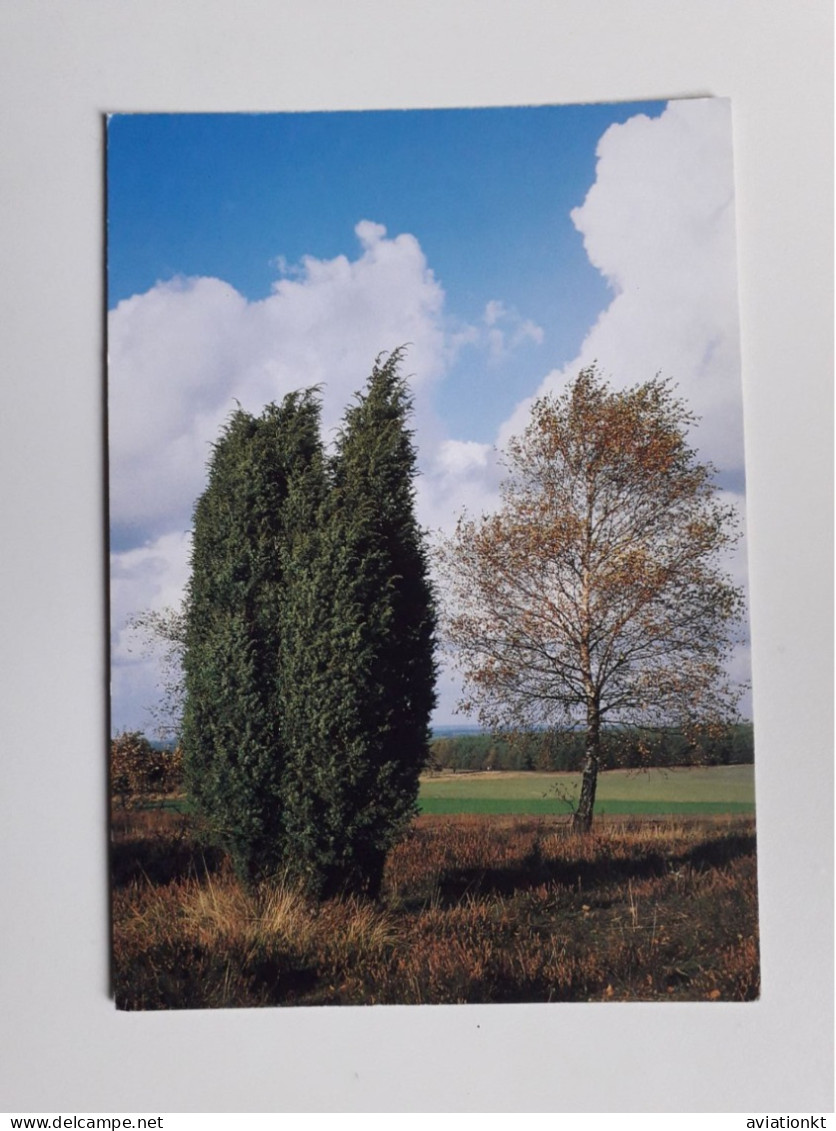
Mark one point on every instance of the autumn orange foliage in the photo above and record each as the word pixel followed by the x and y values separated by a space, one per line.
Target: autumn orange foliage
pixel 598 594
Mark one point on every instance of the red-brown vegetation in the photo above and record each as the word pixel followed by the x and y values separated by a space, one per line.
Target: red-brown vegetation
pixel 473 909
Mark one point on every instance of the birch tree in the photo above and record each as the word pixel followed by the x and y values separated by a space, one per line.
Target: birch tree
pixel 598 596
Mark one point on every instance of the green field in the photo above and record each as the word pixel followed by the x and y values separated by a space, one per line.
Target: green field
pixel 692 790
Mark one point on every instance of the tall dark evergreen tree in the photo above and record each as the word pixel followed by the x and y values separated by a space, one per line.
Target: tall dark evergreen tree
pixel 308 663
pixel 233 739
pixel 359 689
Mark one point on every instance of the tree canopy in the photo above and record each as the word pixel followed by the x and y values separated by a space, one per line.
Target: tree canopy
pixel 362 684
pixel 232 733
pixel 597 594
pixel 309 639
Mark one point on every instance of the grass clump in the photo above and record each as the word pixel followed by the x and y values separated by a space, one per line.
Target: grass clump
pixel 473 909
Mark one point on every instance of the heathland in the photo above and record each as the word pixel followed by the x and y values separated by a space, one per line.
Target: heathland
pixel 659 903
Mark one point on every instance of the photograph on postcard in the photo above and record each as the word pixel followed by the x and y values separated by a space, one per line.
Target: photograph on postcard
pixel 430 664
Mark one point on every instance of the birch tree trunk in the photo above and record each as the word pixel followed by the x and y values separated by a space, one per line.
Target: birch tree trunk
pixel 582 820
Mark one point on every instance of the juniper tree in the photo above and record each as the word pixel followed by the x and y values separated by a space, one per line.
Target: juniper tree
pixel 597 595
pixel 358 685
pixel 233 742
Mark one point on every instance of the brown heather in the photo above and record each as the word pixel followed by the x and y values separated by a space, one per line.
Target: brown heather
pixel 473 909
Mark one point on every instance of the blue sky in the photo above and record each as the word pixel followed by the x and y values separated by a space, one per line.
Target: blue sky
pixel 488 193
pixel 252 254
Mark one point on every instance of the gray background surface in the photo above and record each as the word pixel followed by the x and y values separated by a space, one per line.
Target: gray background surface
pixel 64 1047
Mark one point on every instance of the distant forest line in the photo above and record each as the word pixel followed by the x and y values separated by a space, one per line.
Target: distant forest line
pixel 564 750
pixel 467 748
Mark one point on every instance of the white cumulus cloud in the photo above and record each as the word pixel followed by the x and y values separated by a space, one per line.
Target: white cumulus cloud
pixel 659 225
pixel 183 353
pixel 514 331
pixel 494 310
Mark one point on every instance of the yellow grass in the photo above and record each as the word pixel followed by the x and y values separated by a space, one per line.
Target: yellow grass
pixel 473 910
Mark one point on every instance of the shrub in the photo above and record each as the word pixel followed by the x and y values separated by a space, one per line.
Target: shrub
pixel 140 772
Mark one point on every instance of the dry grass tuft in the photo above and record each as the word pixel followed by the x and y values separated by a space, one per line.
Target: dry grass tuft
pixel 474 909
